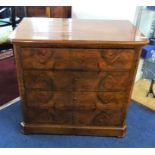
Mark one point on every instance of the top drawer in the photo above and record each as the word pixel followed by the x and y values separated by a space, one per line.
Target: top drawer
pixel 77 59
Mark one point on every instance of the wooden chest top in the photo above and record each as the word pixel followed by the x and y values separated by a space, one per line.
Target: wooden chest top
pixel 75 31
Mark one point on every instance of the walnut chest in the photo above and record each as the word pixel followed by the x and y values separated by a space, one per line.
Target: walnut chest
pixel 76 76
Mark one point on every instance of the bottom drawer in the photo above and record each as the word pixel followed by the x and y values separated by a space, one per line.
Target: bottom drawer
pixel 78 108
pixel 47 115
pixel 112 117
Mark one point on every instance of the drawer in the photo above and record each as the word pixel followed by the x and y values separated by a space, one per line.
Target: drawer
pixel 45 99
pixel 77 59
pixel 47 115
pixel 41 107
pixel 112 117
pixel 76 81
pixel 81 100
pixel 78 108
pixel 105 108
pixel 92 101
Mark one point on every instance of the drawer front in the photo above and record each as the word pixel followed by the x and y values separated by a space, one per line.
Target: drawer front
pixel 41 107
pixel 76 81
pixel 47 115
pixel 113 117
pixel 77 59
pixel 45 99
pixel 103 108
pixel 78 108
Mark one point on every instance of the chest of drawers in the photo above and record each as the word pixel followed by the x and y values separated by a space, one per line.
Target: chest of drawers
pixel 76 76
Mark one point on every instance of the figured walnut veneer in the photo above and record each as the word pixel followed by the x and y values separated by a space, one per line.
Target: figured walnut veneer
pixel 76 76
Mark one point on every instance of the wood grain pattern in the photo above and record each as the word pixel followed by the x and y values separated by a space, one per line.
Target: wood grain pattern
pixel 77 32
pixel 61 11
pixel 74 79
pixel 49 11
pixel 77 59
pixel 72 129
pixel 85 108
pixel 35 11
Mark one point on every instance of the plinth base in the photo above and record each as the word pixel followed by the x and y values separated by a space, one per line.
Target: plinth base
pixel 74 130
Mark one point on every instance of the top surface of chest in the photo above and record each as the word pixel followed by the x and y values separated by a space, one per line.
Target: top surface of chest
pixel 48 30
